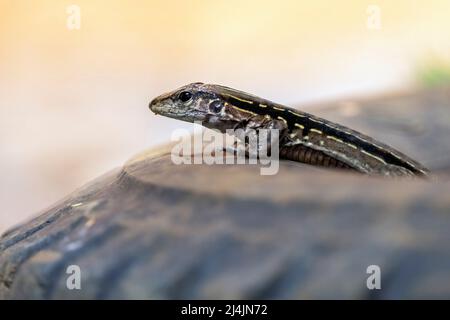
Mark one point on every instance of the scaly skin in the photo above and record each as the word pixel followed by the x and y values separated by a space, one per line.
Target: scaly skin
pixel 302 136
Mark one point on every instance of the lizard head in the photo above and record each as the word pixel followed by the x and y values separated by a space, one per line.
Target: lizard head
pixel 199 102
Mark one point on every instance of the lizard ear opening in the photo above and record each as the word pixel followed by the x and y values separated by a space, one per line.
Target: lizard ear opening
pixel 215 106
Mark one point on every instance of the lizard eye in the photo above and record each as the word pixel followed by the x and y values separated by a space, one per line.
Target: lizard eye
pixel 185 96
pixel 215 106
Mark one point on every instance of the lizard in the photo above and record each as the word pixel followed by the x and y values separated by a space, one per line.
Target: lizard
pixel 302 137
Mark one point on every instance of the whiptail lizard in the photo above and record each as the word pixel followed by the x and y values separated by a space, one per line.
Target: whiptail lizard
pixel 302 137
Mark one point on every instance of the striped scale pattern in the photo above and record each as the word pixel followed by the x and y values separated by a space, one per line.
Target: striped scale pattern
pixel 296 119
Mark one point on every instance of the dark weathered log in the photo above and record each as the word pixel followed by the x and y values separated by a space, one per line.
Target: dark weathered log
pixel 156 230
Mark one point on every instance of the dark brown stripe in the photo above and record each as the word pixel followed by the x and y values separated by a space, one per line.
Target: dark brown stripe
pixel 378 149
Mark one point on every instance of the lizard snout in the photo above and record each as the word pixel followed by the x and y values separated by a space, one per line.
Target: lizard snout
pixel 153 105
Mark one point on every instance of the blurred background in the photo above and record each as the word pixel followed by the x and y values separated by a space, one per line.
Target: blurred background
pixel 76 76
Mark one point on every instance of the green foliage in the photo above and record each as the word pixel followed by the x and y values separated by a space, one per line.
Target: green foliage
pixel 434 73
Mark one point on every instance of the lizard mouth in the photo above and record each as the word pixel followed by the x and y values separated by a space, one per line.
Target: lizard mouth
pixel 170 111
pixel 164 109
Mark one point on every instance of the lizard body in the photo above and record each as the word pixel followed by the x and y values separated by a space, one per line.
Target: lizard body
pixel 303 137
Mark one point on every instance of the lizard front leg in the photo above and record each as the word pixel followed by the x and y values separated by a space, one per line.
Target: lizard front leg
pixel 259 136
